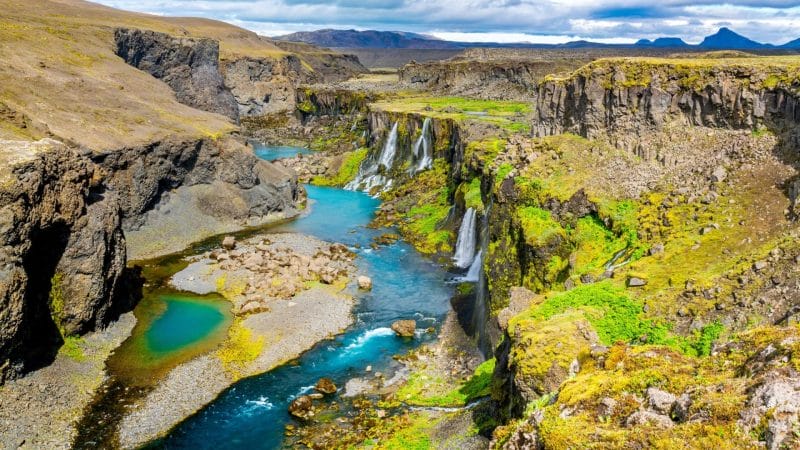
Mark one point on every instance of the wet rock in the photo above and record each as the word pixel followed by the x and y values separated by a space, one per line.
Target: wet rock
pixel 404 328
pixel 302 407
pixel 326 386
pixel 365 283
pixel 229 243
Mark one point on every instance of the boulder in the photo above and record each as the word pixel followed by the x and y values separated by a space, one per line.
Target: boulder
pixel 404 328
pixel 636 282
pixel 649 418
pixel 302 407
pixel 229 243
pixel 326 386
pixel 660 401
pixel 365 283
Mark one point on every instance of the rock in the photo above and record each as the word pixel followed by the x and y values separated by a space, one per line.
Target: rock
pixel 680 409
pixel 302 407
pixel 229 243
pixel 758 266
pixel 404 328
pixel 636 282
pixel 656 249
pixel 326 386
pixel 719 174
pixel 365 283
pixel 606 407
pixel 776 401
pixel 649 418
pixel 660 401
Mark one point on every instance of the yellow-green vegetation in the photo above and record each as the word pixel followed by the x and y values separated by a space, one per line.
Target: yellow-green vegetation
pixel 759 72
pixel 718 386
pixel 508 115
pixel 615 317
pixel 538 226
pixel 410 431
pixel 73 348
pixel 347 171
pixel 426 197
pixel 56 299
pixel 240 349
pixel 425 388
pixel 230 286
pixel 472 194
pixel 481 154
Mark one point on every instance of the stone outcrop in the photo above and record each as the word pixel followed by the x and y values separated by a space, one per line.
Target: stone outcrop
pixel 63 252
pixel 626 102
pixel 189 66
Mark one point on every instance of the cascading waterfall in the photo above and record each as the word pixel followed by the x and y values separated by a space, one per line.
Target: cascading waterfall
pixel 474 273
pixel 465 245
pixel 389 149
pixel 422 148
pixel 368 177
pixel 480 316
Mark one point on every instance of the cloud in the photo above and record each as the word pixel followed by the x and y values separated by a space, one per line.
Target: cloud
pixel 775 21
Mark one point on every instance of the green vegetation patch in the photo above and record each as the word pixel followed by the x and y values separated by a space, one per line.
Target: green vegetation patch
pixel 424 389
pixel 347 171
pixel 508 115
pixel 538 226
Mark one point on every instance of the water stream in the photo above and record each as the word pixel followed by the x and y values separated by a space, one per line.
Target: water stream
pixel 274 152
pixel 253 413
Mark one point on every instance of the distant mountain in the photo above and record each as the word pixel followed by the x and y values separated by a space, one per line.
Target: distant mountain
pixel 725 39
pixel 795 44
pixel 662 42
pixel 369 39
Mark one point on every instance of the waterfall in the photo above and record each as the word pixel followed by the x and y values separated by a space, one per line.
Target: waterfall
pixel 368 177
pixel 425 159
pixel 465 245
pixel 389 149
pixel 474 273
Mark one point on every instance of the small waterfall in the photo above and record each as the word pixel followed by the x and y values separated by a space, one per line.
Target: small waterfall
pixel 480 313
pixel 422 148
pixel 368 177
pixel 389 149
pixel 465 245
pixel 474 273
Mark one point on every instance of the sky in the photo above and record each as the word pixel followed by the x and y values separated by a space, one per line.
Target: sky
pixel 545 21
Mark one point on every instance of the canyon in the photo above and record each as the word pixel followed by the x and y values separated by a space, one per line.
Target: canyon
pixel 597 248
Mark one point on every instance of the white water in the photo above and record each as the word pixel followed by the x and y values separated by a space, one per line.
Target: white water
pixel 474 273
pixel 465 245
pixel 389 149
pixel 425 159
pixel 368 177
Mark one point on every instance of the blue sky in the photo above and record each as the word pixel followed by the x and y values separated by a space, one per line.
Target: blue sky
pixel 548 21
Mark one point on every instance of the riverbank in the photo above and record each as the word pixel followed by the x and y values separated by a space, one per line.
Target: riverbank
pixel 41 410
pixel 273 322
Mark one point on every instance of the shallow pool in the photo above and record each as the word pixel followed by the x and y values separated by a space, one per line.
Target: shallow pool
pixel 274 152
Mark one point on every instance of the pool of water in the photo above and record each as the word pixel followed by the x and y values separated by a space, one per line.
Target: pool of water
pixel 273 152
pixel 253 412
pixel 186 321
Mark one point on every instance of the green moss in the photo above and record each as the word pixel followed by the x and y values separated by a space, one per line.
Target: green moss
pixel 307 107
pixel 594 244
pixel 538 226
pixel 472 195
pixel 502 173
pixel 73 348
pixel 56 300
pixel 347 171
pixel 425 389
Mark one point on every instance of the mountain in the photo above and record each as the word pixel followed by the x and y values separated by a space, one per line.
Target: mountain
pixel 662 42
pixel 369 39
pixel 728 39
pixel 795 44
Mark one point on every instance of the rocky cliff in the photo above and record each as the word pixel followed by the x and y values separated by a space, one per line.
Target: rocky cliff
pixel 189 66
pixel 625 100
pixel 63 250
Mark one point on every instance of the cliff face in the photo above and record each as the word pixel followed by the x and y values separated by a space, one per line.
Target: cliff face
pixel 63 251
pixel 505 79
pixel 189 66
pixel 623 102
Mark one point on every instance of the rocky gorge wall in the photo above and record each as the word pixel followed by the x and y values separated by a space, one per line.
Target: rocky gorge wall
pixel 624 101
pixel 63 250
